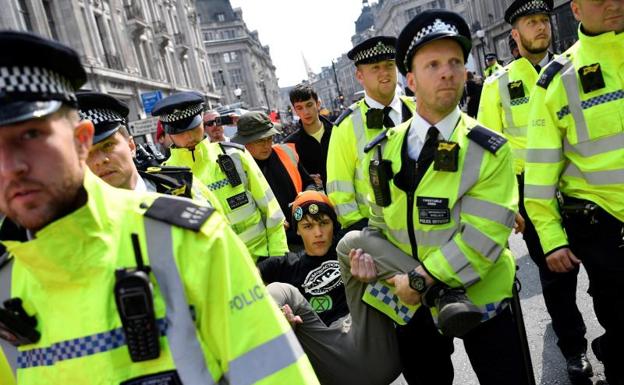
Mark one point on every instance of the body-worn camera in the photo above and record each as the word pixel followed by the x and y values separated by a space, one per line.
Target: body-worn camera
pixel 229 169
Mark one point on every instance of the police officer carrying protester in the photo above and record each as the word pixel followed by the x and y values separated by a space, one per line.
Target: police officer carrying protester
pixel 113 150
pixel 102 290
pixel 380 109
pixel 504 107
pixel 576 146
pixel 444 189
pixel 227 170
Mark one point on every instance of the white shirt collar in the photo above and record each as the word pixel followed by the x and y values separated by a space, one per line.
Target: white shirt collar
pixel 544 61
pixel 140 185
pixel 445 126
pixel 395 104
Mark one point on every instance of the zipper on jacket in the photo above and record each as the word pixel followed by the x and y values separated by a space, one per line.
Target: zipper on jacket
pixel 410 224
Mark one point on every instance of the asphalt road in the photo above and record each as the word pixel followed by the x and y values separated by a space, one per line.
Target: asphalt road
pixel 548 363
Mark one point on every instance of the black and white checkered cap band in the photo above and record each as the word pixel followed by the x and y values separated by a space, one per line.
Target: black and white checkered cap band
pixel 34 82
pixel 438 26
pixel 101 115
pixel 536 5
pixel 177 115
pixel 378 50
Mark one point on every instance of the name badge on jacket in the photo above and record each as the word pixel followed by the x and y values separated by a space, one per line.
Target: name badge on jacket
pixel 237 200
pixel 433 211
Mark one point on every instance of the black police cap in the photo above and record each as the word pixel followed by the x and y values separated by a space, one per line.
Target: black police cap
pixel 180 112
pixel 37 76
pixel 373 50
pixel 490 56
pixel 106 112
pixel 521 8
pixel 427 26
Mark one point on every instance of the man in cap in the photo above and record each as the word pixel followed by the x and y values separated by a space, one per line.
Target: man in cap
pixel 381 108
pixel 576 145
pixel 80 283
pixel 444 190
pixel 504 107
pixel 279 163
pixel 229 171
pixel 111 155
pixel 491 65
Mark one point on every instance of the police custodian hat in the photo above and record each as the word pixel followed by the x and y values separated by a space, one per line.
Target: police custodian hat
pixel 180 112
pixel 427 26
pixel 37 76
pixel 373 50
pixel 106 112
pixel 521 8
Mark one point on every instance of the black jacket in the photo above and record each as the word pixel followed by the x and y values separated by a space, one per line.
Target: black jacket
pixel 312 154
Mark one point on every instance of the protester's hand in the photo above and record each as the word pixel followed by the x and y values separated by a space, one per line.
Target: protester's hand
pixel 292 319
pixel 519 224
pixel 317 180
pixel 402 289
pixel 286 225
pixel 562 260
pixel 362 266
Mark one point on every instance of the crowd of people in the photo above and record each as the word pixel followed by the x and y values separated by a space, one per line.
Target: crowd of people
pixel 340 252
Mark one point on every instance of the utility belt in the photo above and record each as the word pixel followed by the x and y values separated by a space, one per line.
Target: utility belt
pixel 575 209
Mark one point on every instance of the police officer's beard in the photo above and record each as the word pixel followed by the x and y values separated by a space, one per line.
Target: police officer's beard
pixel 534 48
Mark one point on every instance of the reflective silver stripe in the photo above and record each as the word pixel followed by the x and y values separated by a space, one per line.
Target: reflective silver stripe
pixel 570 84
pixel 458 261
pixel 480 242
pixel 539 191
pixel 340 186
pixel 596 178
pixel 516 131
pixel 345 209
pixel 472 167
pixel 359 130
pixel 505 101
pixel 267 197
pixel 252 232
pixel 264 360
pixel 430 238
pixel 6 276
pixel 596 146
pixel 240 215
pixel 488 210
pixel 181 332
pixel 361 199
pixel 544 155
pixel 275 220
pixel 238 163
pixel 519 153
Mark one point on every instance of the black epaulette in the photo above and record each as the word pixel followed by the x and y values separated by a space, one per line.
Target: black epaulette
pixel 232 144
pixel 377 140
pixel 487 139
pixel 343 116
pixel 179 212
pixel 549 73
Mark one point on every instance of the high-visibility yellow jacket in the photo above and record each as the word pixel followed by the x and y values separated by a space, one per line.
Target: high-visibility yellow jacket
pixel 215 317
pixel 491 70
pixel 461 220
pixel 576 135
pixel 346 186
pixel 6 374
pixel 504 105
pixel 250 207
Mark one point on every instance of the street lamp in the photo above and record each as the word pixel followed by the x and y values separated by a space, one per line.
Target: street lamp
pixel 266 97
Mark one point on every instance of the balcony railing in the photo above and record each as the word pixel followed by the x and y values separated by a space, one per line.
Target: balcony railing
pixel 114 62
pixel 180 38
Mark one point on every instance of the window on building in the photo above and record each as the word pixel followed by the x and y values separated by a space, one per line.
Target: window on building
pixel 230 57
pixel 220 16
pixel 208 36
pixel 49 12
pixel 236 74
pixel 25 14
pixel 185 70
pixel 214 58
pixel 412 12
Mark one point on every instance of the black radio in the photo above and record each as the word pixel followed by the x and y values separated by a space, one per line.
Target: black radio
pixel 135 304
pixel 16 326
pixel 380 174
pixel 229 169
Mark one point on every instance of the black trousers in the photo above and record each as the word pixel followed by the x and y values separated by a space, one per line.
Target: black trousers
pixel 598 242
pixel 559 291
pixel 493 349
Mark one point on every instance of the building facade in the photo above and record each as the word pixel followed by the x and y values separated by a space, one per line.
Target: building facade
pixel 135 50
pixel 241 66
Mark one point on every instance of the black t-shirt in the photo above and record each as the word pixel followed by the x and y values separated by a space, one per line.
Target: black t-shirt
pixel 317 278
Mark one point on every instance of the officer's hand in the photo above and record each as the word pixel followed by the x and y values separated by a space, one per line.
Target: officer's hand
pixel 286 225
pixel 362 266
pixel 292 319
pixel 402 289
pixel 519 224
pixel 317 179
pixel 562 260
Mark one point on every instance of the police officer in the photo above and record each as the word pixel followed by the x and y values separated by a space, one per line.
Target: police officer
pixel 576 146
pixel 86 307
pixel 504 107
pixel 380 109
pixel 443 186
pixel 113 150
pixel 229 171
pixel 491 65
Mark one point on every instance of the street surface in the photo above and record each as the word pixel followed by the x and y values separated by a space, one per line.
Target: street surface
pixel 548 363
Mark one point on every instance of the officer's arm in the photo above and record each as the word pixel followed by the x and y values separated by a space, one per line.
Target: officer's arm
pixel 201 193
pixel 544 164
pixel 269 207
pixel 487 217
pixel 341 163
pixel 240 327
pixel 490 107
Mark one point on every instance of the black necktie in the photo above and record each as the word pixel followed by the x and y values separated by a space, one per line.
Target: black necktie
pixel 387 121
pixel 538 68
pixel 428 150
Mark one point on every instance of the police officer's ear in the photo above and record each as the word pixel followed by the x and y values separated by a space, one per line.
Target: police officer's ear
pixel 410 78
pixel 83 137
pixel 132 146
pixel 575 10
